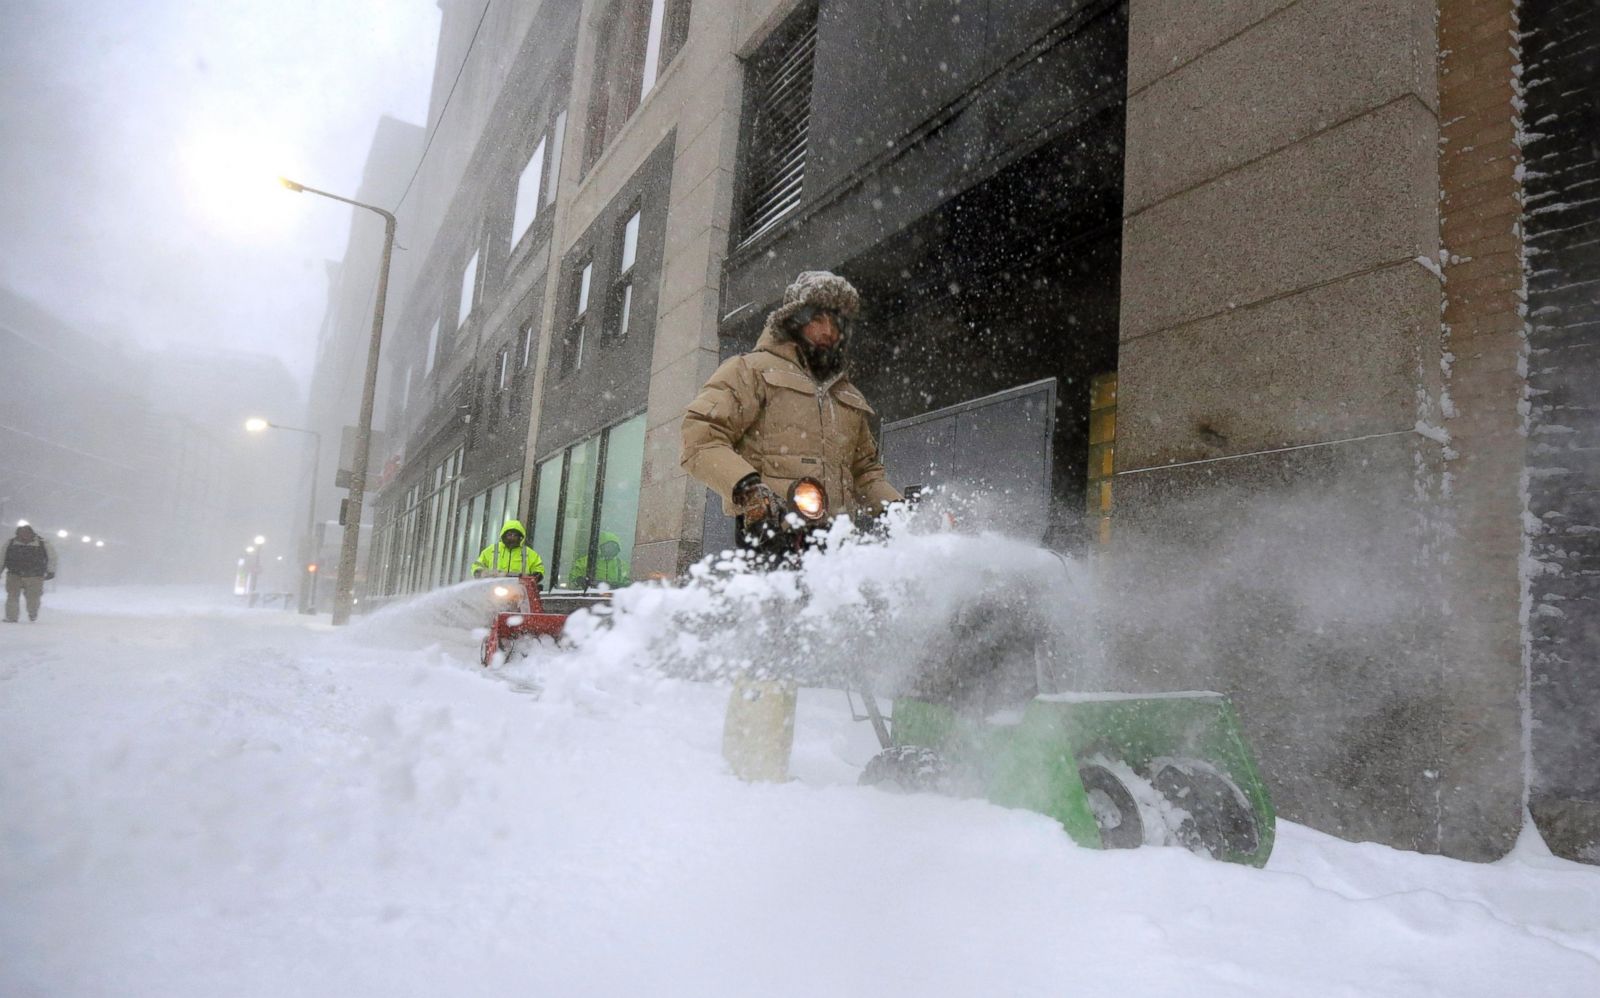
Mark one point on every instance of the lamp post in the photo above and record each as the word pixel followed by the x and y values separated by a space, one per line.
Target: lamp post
pixel 344 587
pixel 259 425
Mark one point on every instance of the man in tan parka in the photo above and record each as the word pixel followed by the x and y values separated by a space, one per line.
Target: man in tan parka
pixel 783 412
pixel 788 411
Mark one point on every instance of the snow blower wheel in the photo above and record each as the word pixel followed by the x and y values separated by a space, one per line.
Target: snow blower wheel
pixel 905 768
pixel 1220 822
pixel 1116 813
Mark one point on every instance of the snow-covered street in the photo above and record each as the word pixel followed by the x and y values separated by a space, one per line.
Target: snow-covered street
pixel 197 799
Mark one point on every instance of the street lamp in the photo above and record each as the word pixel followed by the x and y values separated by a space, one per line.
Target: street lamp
pixel 86 538
pixel 256 424
pixel 63 534
pixel 344 589
pixel 260 541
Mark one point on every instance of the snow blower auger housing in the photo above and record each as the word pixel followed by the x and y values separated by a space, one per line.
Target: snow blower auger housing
pixel 1117 770
pixel 522 613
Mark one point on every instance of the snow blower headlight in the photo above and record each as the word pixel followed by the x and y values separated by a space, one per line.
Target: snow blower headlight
pixel 808 498
pixel 501 592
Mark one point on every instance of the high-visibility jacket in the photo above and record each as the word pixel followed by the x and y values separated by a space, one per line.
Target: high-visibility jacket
pixel 610 567
pixel 498 559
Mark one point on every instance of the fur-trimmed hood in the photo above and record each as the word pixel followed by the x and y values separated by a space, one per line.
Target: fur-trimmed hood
pixel 813 289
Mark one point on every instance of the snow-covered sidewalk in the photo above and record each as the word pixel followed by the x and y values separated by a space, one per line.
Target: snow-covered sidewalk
pixel 197 799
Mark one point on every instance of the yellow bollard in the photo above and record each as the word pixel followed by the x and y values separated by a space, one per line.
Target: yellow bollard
pixel 758 733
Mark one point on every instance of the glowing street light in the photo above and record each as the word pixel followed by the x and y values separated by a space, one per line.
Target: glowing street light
pixel 99 544
pixel 344 586
pixel 22 523
pixel 260 541
pixel 255 424
pixel 87 538
pixel 62 534
pixel 249 550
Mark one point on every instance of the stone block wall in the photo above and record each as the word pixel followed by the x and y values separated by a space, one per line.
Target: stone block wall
pixel 1300 452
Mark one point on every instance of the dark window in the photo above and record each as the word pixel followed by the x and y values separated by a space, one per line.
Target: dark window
pixel 527 343
pixel 638 40
pixel 780 124
pixel 619 317
pixel 572 343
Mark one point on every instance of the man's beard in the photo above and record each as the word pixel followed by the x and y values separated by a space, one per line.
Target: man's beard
pixel 823 362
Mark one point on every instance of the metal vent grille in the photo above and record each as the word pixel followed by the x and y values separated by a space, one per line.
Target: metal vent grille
pixel 778 134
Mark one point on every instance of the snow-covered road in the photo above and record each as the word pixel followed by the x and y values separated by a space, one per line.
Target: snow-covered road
pixel 197 799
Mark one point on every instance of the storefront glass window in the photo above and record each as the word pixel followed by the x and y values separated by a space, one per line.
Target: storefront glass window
pixel 546 506
pixel 577 517
pixel 496 514
pixel 619 504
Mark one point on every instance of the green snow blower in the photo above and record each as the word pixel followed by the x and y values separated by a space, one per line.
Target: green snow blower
pixel 1117 770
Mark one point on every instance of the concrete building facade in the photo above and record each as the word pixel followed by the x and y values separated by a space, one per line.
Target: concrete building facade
pixel 1292 255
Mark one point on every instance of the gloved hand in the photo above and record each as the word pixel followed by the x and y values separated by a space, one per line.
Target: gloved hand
pixel 48 576
pixel 757 502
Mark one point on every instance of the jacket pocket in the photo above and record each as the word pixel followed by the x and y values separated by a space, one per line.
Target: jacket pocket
pixel 791 380
pixel 855 400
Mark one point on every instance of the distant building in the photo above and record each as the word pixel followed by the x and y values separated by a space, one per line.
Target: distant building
pixel 345 336
pixel 1311 283
pixel 144 450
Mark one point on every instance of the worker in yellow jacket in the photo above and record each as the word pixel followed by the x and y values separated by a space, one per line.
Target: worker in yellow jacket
pixel 509 556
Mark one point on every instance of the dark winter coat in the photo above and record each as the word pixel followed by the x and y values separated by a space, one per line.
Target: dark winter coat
pixel 29 559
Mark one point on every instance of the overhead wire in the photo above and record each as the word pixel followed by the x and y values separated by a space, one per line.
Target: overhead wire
pixel 445 107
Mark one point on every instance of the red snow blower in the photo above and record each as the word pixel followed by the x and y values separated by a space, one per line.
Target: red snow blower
pixel 521 614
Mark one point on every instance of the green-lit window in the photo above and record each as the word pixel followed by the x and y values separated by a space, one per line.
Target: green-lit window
pixel 577 514
pixel 619 505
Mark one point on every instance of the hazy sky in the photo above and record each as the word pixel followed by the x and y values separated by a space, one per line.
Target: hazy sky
pixel 138 144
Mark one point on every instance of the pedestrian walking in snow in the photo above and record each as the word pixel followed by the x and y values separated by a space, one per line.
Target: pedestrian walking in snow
pixel 29 561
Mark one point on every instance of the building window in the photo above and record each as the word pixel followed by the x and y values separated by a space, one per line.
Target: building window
pixel 505 368
pixel 527 343
pixel 405 388
pixel 577 511
pixel 572 348
pixel 469 287
pixel 630 243
pixel 530 194
pixel 426 535
pixel 638 40
pixel 775 156
pixel 433 349
pixel 612 556
pixel 587 508
pixel 546 510
pixel 622 289
pixel 558 136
